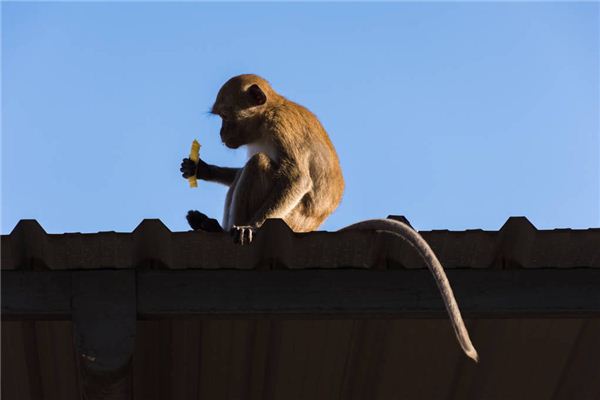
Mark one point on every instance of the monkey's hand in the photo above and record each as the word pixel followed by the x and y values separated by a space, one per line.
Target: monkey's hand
pixel 190 167
pixel 243 234
pixel 200 222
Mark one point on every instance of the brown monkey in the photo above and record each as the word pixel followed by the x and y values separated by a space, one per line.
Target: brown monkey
pixel 292 173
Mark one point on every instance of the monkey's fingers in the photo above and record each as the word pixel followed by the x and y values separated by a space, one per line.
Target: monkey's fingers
pixel 188 168
pixel 186 162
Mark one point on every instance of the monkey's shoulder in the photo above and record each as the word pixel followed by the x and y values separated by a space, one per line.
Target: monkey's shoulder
pixel 290 116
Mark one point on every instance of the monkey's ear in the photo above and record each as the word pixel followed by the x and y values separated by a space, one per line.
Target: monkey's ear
pixel 257 96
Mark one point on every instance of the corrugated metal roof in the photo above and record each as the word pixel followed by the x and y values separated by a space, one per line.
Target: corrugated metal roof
pixel 222 357
pixel 518 244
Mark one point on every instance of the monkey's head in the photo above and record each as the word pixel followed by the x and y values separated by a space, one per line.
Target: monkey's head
pixel 241 104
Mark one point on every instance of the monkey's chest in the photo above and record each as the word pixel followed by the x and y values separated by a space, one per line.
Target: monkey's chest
pixel 263 147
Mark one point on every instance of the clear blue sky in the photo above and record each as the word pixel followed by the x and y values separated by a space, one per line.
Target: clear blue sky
pixel 457 115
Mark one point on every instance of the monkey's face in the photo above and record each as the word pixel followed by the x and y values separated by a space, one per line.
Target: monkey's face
pixel 240 104
pixel 236 132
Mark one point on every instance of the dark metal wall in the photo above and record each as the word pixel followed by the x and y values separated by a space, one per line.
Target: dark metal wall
pixel 321 359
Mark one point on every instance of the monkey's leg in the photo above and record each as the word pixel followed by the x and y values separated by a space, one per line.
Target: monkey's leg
pixel 251 190
pixel 228 202
pixel 254 184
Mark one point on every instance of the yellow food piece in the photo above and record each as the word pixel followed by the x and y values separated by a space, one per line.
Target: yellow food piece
pixel 194 156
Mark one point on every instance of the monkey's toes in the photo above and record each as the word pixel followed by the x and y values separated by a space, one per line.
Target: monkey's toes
pixel 242 235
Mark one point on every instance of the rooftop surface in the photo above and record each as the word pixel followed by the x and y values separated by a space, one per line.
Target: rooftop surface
pixel 518 244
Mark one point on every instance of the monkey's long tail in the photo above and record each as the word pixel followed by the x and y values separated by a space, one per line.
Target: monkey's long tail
pixel 413 238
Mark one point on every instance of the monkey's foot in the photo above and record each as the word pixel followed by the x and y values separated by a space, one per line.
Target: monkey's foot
pixel 243 234
pixel 200 222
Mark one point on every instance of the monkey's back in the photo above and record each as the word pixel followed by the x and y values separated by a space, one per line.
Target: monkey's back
pixel 311 141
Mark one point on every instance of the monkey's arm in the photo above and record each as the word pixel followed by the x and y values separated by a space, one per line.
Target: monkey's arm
pixel 208 172
pixel 223 175
pixel 291 182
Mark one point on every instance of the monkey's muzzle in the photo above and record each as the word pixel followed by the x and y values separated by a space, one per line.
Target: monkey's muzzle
pixel 232 143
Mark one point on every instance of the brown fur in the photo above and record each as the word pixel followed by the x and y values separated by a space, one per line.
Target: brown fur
pixel 293 171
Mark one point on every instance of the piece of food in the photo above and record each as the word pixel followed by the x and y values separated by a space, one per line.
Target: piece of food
pixel 194 156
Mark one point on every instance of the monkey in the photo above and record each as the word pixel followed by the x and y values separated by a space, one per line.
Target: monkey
pixel 293 173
